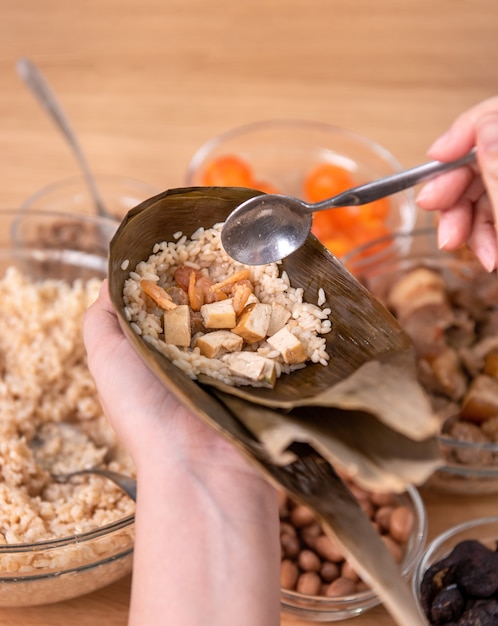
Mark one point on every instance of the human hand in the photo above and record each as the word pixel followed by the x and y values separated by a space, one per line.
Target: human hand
pixel 467 198
pixel 206 531
pixel 146 416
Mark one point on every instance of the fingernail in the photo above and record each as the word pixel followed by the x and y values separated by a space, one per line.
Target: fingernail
pixel 488 134
pixel 487 257
pixel 443 238
pixel 440 142
pixel 425 192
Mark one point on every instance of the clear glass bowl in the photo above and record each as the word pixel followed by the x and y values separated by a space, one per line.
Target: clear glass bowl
pixel 61 246
pixel 471 466
pixel 484 530
pixel 283 152
pixel 119 195
pixel 325 609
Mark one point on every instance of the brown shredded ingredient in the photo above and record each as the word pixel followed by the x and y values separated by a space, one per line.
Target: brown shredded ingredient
pixel 158 294
pixel 231 280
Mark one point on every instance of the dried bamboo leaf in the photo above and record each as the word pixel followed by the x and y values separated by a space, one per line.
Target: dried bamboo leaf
pixel 371 358
pixel 364 332
pixel 370 453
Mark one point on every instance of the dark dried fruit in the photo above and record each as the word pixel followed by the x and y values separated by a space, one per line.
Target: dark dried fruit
pixel 483 613
pixel 447 605
pixel 462 588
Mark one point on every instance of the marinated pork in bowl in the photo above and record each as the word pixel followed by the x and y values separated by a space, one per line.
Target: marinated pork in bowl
pixel 448 305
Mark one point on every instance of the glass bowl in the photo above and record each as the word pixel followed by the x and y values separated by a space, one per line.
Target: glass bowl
pixel 57 541
pixel 320 608
pixel 470 449
pixel 119 195
pixel 484 530
pixel 285 155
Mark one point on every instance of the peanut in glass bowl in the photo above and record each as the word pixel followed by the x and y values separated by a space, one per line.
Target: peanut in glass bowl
pixel 469 446
pixel 57 541
pixel 320 608
pixel 283 156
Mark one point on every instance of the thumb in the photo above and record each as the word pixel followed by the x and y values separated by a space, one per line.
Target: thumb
pixel 487 151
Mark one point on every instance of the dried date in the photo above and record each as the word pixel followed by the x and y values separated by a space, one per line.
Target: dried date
pixel 462 588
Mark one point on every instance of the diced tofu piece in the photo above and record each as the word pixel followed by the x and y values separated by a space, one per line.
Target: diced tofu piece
pixel 289 346
pixel 252 366
pixel 219 314
pixel 253 322
pixel 218 342
pixel 176 325
pixel 278 318
pixel 252 299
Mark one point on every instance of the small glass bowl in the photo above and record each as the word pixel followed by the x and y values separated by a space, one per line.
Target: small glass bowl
pixel 471 466
pixel 71 195
pixel 484 530
pixel 281 153
pixel 333 609
pixel 59 246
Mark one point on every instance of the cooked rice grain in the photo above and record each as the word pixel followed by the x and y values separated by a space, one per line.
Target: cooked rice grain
pixel 45 379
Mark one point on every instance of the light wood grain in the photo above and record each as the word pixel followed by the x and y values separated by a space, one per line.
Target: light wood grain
pixel 146 83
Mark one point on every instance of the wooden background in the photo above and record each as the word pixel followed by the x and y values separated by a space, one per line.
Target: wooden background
pixel 146 83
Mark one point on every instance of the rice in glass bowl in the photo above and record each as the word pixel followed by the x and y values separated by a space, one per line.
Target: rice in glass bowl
pixel 57 540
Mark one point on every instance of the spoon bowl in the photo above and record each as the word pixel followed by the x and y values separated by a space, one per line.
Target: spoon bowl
pixel 269 227
pixel 124 482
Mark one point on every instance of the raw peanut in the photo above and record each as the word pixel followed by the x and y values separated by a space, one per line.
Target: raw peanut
pixel 309 583
pixel 383 517
pixel 341 587
pixel 287 529
pixel 347 571
pixel 310 533
pixel 401 524
pixel 288 574
pixel 309 561
pixel 394 548
pixel 290 545
pixel 327 549
pixel 358 492
pixel 382 499
pixel 329 571
pixel 301 516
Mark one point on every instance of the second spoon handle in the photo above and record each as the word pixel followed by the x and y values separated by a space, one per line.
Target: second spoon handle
pixel 39 86
pixel 393 183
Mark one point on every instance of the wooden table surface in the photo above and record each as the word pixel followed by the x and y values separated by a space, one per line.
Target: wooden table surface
pixel 146 83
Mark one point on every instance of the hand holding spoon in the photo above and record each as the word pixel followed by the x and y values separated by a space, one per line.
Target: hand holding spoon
pixel 269 227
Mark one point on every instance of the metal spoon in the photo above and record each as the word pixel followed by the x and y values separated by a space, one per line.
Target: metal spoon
pixel 269 227
pixel 41 89
pixel 53 446
pixel 126 483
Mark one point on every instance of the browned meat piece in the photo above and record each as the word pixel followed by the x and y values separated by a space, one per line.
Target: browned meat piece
pixel 196 323
pixel 178 295
pixel 442 374
pixel 481 400
pixel 467 431
pixel 462 330
pixel 474 357
pixel 426 326
pixel 418 288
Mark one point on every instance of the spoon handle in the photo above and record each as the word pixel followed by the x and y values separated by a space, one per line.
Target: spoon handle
pixel 393 183
pixel 38 84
